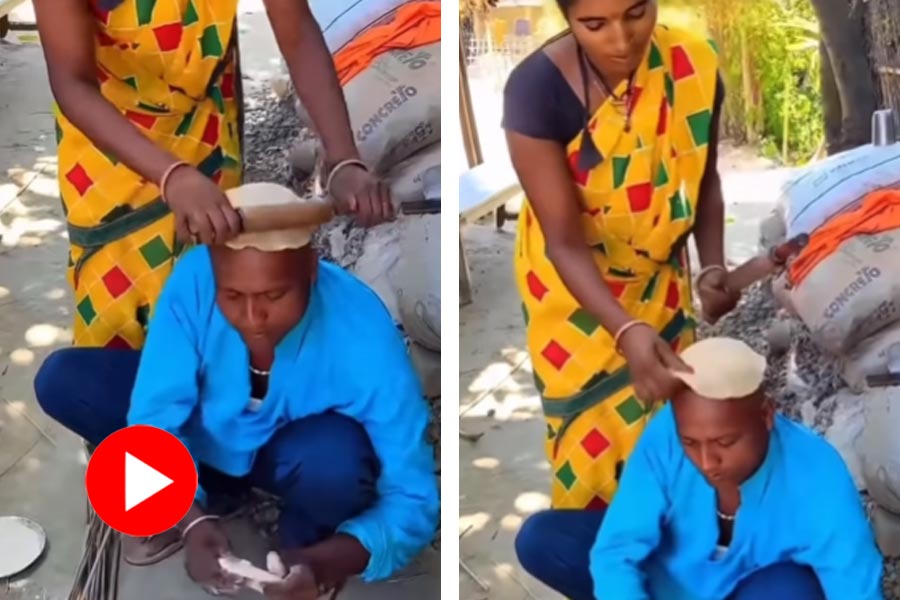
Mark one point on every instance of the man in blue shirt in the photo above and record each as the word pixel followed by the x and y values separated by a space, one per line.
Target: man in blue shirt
pixel 281 372
pixel 721 499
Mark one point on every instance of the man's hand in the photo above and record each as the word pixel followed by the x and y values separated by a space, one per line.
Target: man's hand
pixel 203 546
pixel 299 584
pixel 360 193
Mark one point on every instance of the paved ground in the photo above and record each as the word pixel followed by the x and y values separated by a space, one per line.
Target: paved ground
pixel 504 476
pixel 41 465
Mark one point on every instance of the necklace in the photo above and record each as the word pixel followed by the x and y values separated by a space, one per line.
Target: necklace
pixel 259 372
pixel 725 517
pixel 619 102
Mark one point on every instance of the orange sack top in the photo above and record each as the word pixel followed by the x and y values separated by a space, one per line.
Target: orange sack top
pixel 415 24
pixel 880 211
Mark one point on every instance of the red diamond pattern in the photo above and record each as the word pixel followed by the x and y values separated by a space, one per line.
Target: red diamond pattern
pixel 681 64
pixel 228 85
pixel 639 196
pixel 663 123
pixel 217 177
pixel 675 344
pixel 145 121
pixel 595 443
pixel 116 282
pixel 556 355
pixel 168 36
pixel 597 503
pixel 581 177
pixel 634 98
pixel 211 133
pixel 536 286
pixel 104 40
pixel 79 178
pixel 102 77
pixel 616 287
pixel 673 296
pixel 118 343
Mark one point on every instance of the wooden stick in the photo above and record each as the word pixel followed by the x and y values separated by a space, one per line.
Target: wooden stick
pixel 260 219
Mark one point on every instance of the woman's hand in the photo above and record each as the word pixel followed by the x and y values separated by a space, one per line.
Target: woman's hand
pixel 716 297
pixel 202 211
pixel 357 192
pixel 651 361
pixel 204 545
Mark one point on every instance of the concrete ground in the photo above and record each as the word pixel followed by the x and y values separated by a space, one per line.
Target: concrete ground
pixel 504 476
pixel 42 465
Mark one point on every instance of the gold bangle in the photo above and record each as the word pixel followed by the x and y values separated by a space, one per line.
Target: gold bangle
pixel 165 178
pixel 624 329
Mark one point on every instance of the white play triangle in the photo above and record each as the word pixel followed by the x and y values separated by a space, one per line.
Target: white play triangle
pixel 141 481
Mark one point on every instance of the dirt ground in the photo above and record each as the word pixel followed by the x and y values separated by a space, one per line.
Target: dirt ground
pixel 42 465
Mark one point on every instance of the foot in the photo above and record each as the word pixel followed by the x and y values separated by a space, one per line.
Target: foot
pixel 142 551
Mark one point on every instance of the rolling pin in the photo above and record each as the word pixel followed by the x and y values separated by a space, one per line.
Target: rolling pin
pixel 259 219
pixel 759 267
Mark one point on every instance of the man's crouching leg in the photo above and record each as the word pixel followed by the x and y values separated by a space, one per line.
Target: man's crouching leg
pixel 781 581
pixel 324 469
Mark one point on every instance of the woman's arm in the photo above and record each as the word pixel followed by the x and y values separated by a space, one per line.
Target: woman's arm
pixel 312 71
pixel 68 31
pixel 544 173
pixel 709 229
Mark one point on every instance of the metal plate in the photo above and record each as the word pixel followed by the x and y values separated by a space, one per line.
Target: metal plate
pixel 23 542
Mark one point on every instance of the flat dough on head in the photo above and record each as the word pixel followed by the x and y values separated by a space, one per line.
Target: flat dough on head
pixel 724 368
pixel 267 194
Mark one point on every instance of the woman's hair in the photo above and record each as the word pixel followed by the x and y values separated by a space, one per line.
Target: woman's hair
pixel 564 5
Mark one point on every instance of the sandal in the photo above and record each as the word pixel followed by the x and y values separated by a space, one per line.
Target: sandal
pixel 142 552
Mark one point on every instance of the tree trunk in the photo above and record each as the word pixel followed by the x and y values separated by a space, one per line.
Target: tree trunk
pixel 831 103
pixel 843 34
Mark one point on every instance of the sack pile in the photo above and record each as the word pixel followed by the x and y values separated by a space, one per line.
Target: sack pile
pixel 844 285
pixel 387 55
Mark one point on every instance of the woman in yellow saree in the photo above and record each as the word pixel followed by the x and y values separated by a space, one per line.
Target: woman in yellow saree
pixel 149 97
pixel 612 129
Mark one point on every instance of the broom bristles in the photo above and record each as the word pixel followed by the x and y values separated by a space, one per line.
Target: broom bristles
pixel 98 572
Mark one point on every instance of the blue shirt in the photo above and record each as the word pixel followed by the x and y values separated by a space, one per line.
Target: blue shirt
pixel 658 537
pixel 345 355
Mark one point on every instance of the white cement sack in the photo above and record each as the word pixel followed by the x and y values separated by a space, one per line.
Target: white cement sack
pixel 879 446
pixel 818 192
pixel 395 105
pixel 342 20
pixel 405 178
pixel 853 293
pixel 872 356
pixel 418 279
pixel 376 266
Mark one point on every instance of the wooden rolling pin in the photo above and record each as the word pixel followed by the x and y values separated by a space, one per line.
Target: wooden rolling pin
pixel 759 267
pixel 259 219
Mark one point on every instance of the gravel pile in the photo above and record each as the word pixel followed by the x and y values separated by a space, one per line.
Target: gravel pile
pixel 802 381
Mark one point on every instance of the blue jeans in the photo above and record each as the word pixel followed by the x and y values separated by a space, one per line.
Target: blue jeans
pixel 554 546
pixel 322 467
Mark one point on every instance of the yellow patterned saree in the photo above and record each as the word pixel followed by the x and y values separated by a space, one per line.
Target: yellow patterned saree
pixel 171 67
pixel 638 208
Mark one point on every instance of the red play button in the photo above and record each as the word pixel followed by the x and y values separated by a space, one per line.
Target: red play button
pixel 141 480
